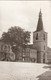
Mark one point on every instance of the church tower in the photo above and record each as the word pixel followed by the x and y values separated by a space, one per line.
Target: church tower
pixel 40 41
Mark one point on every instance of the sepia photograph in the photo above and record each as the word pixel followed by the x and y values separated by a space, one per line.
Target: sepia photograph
pixel 25 40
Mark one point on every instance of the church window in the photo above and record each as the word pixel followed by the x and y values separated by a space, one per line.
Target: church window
pixel 37 36
pixel 43 36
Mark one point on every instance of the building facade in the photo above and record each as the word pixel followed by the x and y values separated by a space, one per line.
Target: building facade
pixel 29 54
pixel 40 41
pixel 6 53
pixel 38 51
pixel 48 55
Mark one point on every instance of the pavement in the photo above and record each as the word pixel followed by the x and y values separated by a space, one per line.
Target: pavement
pixel 24 71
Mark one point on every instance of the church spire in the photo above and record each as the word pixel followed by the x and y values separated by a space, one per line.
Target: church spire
pixel 40 23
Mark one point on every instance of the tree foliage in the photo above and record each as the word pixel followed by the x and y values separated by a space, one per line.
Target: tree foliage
pixel 16 37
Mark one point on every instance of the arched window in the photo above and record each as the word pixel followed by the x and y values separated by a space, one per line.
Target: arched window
pixel 37 36
pixel 43 36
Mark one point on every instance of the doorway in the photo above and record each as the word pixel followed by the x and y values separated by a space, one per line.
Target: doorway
pixel 23 59
pixel 44 58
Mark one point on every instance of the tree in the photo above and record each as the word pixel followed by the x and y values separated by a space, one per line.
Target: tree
pixel 17 38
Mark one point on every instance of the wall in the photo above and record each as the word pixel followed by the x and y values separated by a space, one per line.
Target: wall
pixel 33 55
pixel 6 52
pixel 48 57
pixel 40 44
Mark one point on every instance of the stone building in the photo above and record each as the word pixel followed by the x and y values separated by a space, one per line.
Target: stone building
pixel 29 54
pixel 6 53
pixel 48 55
pixel 38 51
pixel 40 41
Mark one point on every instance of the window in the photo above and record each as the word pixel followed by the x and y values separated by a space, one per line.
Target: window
pixel 44 47
pixel 44 56
pixel 1 47
pixel 37 36
pixel 5 48
pixel 43 36
pixel 27 50
pixel 9 48
pixel 23 53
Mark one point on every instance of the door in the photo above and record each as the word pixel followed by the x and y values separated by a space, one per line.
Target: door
pixel 44 58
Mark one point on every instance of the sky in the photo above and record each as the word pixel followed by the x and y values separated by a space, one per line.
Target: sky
pixel 25 14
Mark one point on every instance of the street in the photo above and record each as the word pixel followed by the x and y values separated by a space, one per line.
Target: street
pixel 24 71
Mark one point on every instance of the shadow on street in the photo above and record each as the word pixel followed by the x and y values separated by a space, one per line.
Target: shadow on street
pixel 46 75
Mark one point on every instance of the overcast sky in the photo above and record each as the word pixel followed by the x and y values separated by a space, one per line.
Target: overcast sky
pixel 25 14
